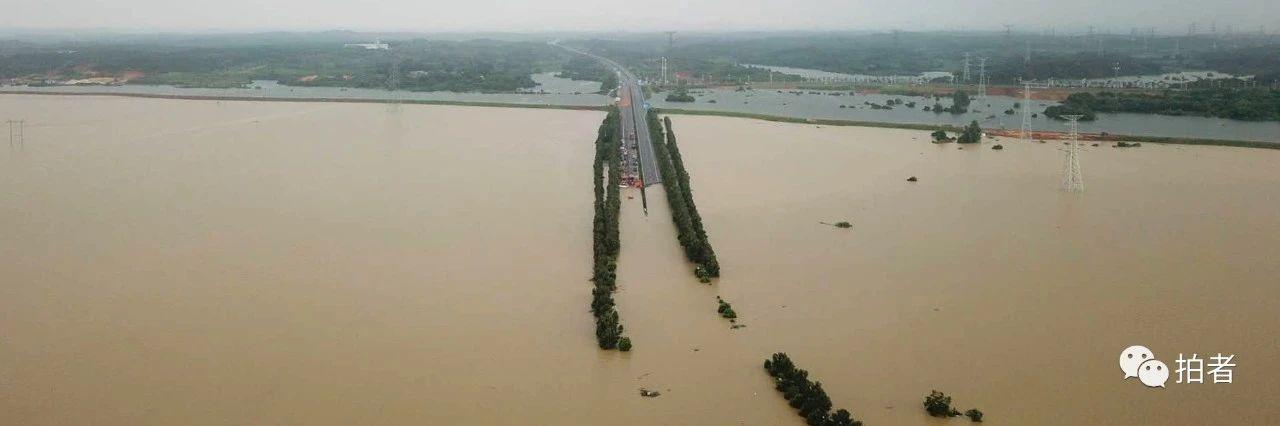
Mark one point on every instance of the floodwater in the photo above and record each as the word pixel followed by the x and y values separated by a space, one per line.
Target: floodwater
pixel 551 90
pixel 853 78
pixel 984 280
pixel 989 113
pixel 199 262
pixel 203 262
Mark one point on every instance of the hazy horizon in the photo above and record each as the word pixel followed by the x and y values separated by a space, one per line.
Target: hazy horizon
pixel 134 16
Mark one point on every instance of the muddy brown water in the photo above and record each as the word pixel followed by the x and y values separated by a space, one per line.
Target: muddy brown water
pixel 203 262
pixel 985 281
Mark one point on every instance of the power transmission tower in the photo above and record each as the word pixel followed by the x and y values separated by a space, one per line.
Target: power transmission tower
pixel 1026 57
pixel 17 133
pixel 982 78
pixel 1072 180
pixel 393 73
pixel 966 67
pixel 664 70
pixel 671 42
pixel 1025 131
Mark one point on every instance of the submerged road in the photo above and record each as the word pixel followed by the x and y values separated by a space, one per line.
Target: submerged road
pixel 633 109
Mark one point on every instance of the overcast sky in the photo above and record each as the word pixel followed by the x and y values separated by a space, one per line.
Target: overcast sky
pixel 1169 16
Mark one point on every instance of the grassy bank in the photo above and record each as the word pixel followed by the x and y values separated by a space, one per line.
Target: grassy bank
pixel 342 100
pixel 931 127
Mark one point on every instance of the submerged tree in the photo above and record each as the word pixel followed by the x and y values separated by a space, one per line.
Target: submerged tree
pixel 971 134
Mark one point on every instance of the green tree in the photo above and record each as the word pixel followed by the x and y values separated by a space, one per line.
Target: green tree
pixel 939 136
pixel 842 417
pixel 938 404
pixel 971 134
pixel 959 102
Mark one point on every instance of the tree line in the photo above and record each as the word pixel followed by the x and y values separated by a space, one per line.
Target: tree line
pixel 938 404
pixel 607 175
pixel 1204 99
pixel 215 61
pixel 689 229
pixel 804 395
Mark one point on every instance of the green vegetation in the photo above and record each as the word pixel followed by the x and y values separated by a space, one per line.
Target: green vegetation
pixel 938 404
pixel 806 396
pixel 582 67
pixel 607 175
pixel 725 309
pixel 680 94
pixel 689 229
pixel 940 136
pixel 959 102
pixel 1252 104
pixel 717 58
pixel 638 55
pixel 211 61
pixel 1057 112
pixel 971 134
pixel 843 224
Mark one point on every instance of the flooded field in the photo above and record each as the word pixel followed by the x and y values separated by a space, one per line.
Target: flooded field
pixel 202 262
pixel 984 281
pixel 990 113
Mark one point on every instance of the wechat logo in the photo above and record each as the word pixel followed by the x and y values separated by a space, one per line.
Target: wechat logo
pixel 1138 361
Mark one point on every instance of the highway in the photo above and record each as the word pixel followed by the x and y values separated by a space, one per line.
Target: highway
pixel 633 108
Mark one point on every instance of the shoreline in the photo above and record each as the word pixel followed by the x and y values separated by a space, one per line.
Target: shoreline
pixel 672 111
pixel 950 128
pixel 339 100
